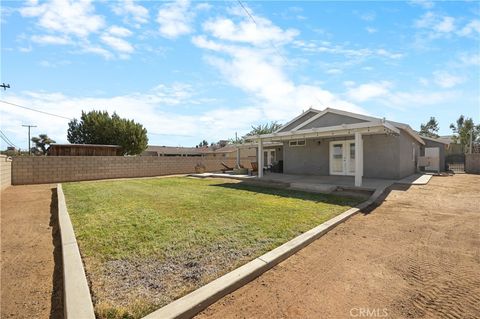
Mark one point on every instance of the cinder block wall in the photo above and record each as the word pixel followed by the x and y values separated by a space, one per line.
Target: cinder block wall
pixel 54 169
pixel 5 172
pixel 472 163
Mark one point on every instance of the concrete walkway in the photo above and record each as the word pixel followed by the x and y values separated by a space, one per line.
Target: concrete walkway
pixel 31 257
pixel 414 256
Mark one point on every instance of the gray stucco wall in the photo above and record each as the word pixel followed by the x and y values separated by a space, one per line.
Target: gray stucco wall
pixel 311 159
pixel 302 119
pixel 380 156
pixel 408 163
pixel 385 156
pixel 442 152
pixel 330 119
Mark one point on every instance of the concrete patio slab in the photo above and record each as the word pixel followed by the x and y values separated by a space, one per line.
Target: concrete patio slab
pixel 416 179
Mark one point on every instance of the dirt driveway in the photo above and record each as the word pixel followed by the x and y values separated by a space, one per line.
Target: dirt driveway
pixel 417 255
pixel 31 276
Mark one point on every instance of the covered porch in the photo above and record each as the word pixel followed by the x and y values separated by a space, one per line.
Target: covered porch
pixel 326 183
pixel 346 160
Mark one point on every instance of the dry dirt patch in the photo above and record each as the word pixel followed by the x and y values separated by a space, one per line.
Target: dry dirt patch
pixel 417 255
pixel 31 255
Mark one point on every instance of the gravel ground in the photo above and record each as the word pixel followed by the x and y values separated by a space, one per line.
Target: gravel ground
pixel 31 253
pixel 417 255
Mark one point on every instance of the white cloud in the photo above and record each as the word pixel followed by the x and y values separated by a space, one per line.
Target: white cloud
pixel 405 100
pixel 329 48
pixel 368 91
pixel 470 59
pixel 334 71
pixel 97 50
pixel 426 4
pixel 382 92
pixel 447 24
pixel 51 39
pixel 259 70
pixel 119 31
pixel 117 43
pixel 64 16
pixel 371 30
pixel 152 108
pixel 472 28
pixel 175 19
pixel 132 10
pixel 261 32
pixel 203 6
pixel 368 16
pixel 446 80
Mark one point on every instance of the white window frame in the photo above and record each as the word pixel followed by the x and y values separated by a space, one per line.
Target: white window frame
pixel 295 143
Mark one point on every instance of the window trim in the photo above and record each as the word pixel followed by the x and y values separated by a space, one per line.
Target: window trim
pixel 295 143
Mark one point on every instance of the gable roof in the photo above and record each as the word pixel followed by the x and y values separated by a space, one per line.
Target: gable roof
pixel 438 140
pixel 296 119
pixel 405 127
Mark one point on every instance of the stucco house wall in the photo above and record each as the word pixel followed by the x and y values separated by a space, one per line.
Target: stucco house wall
pixel 407 160
pixel 380 156
pixel 384 156
pixel 442 152
pixel 309 159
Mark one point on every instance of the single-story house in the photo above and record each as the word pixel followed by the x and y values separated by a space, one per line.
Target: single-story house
pixel 84 150
pixel 336 142
pixel 227 151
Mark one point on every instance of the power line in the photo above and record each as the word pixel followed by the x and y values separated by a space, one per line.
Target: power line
pixel 1 136
pixel 271 42
pixel 34 110
pixel 255 22
pixel 6 139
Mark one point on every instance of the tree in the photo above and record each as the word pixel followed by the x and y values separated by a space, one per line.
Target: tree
pixel 202 143
pixel 430 129
pixel 264 129
pixel 97 127
pixel 41 143
pixel 462 130
pixel 256 130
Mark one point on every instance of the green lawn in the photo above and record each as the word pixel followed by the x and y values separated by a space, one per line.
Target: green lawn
pixel 146 242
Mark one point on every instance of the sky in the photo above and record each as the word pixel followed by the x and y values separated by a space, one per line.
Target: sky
pixel 191 70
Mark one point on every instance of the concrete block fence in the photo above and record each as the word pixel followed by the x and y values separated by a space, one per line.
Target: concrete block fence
pixel 5 172
pixel 56 169
pixel 472 163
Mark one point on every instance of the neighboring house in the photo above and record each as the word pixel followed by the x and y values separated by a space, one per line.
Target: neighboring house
pixel 441 144
pixel 335 142
pixel 175 151
pixel 228 151
pixel 84 150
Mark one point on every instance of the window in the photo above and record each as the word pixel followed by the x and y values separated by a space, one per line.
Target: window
pixel 413 152
pixel 297 143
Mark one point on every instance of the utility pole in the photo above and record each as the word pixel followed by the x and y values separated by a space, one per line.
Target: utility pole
pixel 29 148
pixel 5 86
pixel 471 140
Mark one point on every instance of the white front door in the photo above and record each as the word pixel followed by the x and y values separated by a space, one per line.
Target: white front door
pixel 342 157
pixel 268 158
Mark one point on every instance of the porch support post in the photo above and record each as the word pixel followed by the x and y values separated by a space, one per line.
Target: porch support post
pixel 260 158
pixel 358 159
pixel 238 157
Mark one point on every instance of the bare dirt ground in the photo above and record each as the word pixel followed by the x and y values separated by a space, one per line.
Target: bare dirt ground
pixel 417 255
pixel 31 273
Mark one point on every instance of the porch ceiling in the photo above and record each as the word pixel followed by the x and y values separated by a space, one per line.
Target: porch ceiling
pixel 366 128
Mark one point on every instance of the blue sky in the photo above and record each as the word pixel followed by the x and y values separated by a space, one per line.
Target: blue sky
pixel 193 70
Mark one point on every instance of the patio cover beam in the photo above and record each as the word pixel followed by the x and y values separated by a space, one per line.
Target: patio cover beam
pixel 332 131
pixel 260 158
pixel 358 159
